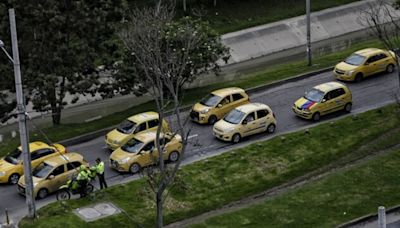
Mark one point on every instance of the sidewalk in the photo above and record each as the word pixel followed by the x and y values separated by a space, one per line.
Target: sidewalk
pixel 371 221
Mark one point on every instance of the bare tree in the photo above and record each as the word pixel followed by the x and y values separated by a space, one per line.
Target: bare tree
pixel 383 17
pixel 165 55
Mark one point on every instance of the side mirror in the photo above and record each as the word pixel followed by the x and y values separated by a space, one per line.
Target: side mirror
pixel 51 177
pixel 244 122
pixel 219 105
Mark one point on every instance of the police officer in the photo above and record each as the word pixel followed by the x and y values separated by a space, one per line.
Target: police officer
pixel 82 178
pixel 100 173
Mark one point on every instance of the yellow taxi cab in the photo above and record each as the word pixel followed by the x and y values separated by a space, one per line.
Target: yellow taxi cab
pixel 245 120
pixel 52 173
pixel 323 99
pixel 11 167
pixel 364 63
pixel 128 128
pixel 141 151
pixel 216 104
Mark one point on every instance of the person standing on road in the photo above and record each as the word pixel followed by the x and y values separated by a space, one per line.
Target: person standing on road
pixel 100 173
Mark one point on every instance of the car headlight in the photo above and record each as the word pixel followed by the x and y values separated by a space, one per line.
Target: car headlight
pixel 116 142
pixel 306 110
pixel 2 173
pixel 350 72
pixel 35 184
pixel 205 111
pixel 123 161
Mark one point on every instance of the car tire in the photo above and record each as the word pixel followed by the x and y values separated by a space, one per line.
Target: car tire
pixel 271 128
pixel 359 77
pixel 173 156
pixel 347 107
pixel 42 193
pixel 390 68
pixel 212 119
pixel 134 168
pixel 316 116
pixel 63 194
pixel 236 138
pixel 14 178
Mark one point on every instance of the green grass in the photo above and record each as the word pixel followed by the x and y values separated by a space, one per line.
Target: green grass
pixel 330 202
pixel 212 183
pixel 268 75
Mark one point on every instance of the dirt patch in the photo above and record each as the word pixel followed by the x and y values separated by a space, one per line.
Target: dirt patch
pixel 346 162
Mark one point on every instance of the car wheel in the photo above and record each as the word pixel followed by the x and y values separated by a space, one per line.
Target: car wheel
pixel 42 193
pixel 347 107
pixel 63 195
pixel 316 116
pixel 134 168
pixel 390 68
pixel 212 119
pixel 271 128
pixel 173 156
pixel 358 78
pixel 14 178
pixel 236 138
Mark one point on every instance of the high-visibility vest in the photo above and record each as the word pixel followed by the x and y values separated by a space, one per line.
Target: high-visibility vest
pixel 83 175
pixel 100 168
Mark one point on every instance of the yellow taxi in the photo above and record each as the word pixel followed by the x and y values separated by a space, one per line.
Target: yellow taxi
pixel 52 173
pixel 216 104
pixel 141 151
pixel 323 99
pixel 11 167
pixel 245 120
pixel 128 128
pixel 364 63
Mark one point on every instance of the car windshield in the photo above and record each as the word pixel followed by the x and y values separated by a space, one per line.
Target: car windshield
pixel 355 59
pixel 42 170
pixel 210 100
pixel 132 146
pixel 314 95
pixel 14 157
pixel 127 127
pixel 234 116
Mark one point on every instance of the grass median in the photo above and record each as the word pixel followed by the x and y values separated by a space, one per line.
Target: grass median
pixel 214 182
pixel 266 76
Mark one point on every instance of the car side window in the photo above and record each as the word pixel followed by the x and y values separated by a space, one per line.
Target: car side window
pixel 73 165
pixel 237 96
pixel 329 95
pixel 262 113
pixel 382 56
pixel 41 153
pixel 250 117
pixel 141 127
pixel 225 100
pixel 149 147
pixel 57 171
pixel 372 59
pixel 339 92
pixel 153 123
pixel 34 155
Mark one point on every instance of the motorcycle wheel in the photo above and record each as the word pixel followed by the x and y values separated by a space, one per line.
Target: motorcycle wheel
pixel 89 188
pixel 63 195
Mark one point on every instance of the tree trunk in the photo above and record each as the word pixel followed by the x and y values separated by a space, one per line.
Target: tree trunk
pixel 159 202
pixel 184 5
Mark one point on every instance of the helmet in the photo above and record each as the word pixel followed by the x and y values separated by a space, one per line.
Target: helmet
pixel 82 168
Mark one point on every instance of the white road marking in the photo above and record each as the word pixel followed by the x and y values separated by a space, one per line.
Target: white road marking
pixel 192 136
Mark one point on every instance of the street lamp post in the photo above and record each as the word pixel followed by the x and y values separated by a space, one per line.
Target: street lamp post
pixel 308 32
pixel 23 131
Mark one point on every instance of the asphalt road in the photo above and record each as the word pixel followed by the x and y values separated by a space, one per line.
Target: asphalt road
pixel 373 92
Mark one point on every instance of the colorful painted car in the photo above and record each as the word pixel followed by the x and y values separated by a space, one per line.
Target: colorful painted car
pixel 245 120
pixel 364 63
pixel 323 99
pixel 142 122
pixel 217 104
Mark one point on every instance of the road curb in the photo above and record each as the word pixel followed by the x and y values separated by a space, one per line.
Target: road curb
pixel 367 218
pixel 102 132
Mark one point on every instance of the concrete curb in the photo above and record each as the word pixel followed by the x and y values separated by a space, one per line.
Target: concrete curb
pixel 367 218
pixel 92 135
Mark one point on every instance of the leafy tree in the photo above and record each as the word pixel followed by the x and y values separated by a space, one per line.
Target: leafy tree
pixel 163 56
pixel 60 43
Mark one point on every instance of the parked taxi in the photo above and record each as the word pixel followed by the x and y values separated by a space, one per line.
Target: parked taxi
pixel 245 120
pixel 128 128
pixel 52 173
pixel 323 99
pixel 11 167
pixel 364 63
pixel 141 151
pixel 218 103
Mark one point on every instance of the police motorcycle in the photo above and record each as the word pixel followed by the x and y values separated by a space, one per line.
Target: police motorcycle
pixel 72 187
